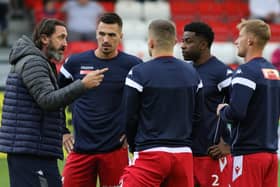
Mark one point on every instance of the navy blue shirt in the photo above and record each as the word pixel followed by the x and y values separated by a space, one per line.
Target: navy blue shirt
pixel 97 115
pixel 160 98
pixel 216 79
pixel 254 107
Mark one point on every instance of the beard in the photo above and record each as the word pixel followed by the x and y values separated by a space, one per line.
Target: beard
pixel 53 53
pixel 191 56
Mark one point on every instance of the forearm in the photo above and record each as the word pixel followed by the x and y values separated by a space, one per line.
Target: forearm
pixel 41 86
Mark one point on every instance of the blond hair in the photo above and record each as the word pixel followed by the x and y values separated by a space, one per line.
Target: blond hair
pixel 164 33
pixel 258 28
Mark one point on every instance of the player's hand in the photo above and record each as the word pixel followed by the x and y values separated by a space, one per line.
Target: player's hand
pixel 220 150
pixel 94 78
pixel 123 140
pixel 68 142
pixel 220 107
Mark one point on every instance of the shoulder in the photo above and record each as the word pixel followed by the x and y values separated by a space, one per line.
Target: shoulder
pixel 249 68
pixel 218 64
pixel 248 71
pixel 130 58
pixel 186 64
pixel 219 68
pixel 34 69
pixel 35 62
pixel 76 58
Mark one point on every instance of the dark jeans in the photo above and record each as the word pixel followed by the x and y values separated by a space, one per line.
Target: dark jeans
pixel 33 171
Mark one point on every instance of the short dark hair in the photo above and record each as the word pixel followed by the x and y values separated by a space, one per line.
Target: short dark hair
pixel 45 26
pixel 111 18
pixel 201 29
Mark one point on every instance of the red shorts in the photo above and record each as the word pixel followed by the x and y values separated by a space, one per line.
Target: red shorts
pixel 159 168
pixel 255 170
pixel 209 172
pixel 82 169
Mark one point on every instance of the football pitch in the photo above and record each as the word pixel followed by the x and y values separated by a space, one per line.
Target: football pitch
pixel 4 176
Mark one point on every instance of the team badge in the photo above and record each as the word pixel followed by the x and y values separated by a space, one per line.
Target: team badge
pixel 237 167
pixel 271 74
pixel 222 163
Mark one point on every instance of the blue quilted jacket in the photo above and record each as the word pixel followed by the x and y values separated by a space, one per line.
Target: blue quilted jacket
pixel 33 119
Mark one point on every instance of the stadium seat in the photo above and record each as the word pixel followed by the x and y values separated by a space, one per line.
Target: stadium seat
pixel 33 5
pixel 183 10
pixel 234 11
pixel 157 9
pixel 210 11
pixel 269 48
pixel 221 31
pixel 275 32
pixel 108 6
pixel 180 23
pixel 137 47
pixel 225 51
pixel 129 9
pixel 134 29
pixel 79 46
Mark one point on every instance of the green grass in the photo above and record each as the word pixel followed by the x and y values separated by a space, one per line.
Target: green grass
pixel 4 176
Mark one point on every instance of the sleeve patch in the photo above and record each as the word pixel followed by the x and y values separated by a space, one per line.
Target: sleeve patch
pixel 270 74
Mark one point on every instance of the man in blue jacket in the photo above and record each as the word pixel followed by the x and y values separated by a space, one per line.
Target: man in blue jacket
pixel 33 111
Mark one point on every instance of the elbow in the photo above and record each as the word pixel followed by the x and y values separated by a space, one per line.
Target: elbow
pixel 48 106
pixel 230 114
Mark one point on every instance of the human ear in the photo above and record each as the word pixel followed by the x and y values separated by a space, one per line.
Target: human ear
pixel 44 39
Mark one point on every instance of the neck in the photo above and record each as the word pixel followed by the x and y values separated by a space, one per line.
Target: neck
pixel 44 51
pixel 159 53
pixel 203 58
pixel 102 55
pixel 254 53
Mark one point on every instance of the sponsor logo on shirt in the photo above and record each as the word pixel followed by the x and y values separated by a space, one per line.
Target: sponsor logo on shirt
pixel 271 74
pixel 84 70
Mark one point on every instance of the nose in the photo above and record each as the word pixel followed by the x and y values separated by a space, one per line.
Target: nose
pixel 182 45
pixel 64 43
pixel 106 38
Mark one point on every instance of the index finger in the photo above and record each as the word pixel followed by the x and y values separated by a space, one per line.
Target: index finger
pixel 103 70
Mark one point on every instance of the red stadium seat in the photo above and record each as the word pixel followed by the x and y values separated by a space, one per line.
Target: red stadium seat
pixel 79 46
pixel 183 10
pixel 33 5
pixel 234 11
pixel 221 30
pixel 108 6
pixel 275 32
pixel 210 11
pixel 180 27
